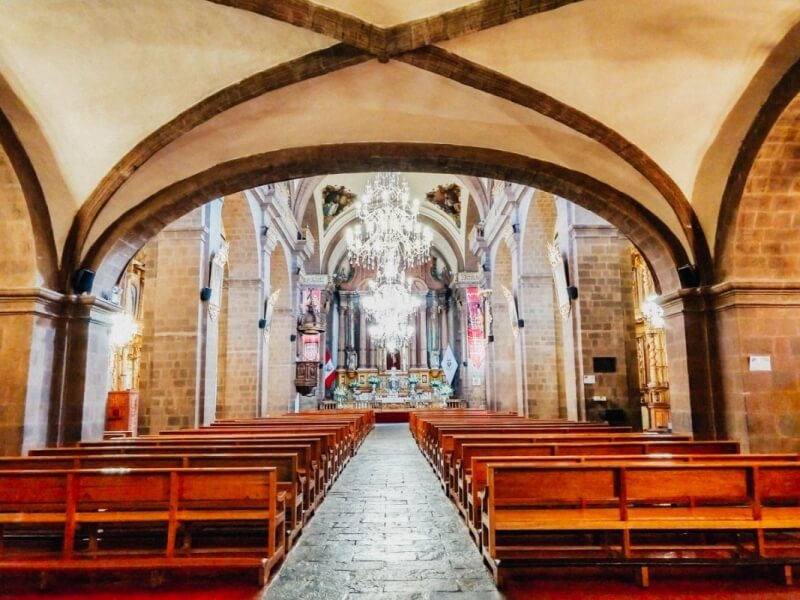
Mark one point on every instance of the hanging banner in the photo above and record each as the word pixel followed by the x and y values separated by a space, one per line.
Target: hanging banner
pixel 476 347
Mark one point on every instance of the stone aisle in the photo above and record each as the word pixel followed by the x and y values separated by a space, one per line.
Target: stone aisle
pixel 385 531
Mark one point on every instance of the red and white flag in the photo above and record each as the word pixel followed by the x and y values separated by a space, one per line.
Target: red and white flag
pixel 329 371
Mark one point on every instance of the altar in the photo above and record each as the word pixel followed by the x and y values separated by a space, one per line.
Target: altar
pixel 390 386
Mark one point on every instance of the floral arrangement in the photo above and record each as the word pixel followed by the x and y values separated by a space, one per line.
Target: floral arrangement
pixel 444 390
pixel 373 380
pixel 413 379
pixel 353 385
pixel 435 384
pixel 339 393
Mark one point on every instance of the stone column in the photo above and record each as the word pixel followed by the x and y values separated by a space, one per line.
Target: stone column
pixel 179 349
pixel 82 411
pixel 362 336
pixel 423 334
pixel 243 338
pixel 31 352
pixel 539 314
pixel 342 328
pixel 603 314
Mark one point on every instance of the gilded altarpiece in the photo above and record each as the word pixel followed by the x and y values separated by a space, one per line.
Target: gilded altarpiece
pixel 651 351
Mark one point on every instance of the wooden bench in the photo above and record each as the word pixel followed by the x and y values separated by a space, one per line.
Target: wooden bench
pixel 475 481
pixel 290 480
pixel 641 515
pixel 464 451
pixel 449 441
pixel 308 451
pixel 141 519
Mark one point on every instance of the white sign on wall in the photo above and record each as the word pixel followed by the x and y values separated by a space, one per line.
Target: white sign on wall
pixel 760 362
pixel 589 379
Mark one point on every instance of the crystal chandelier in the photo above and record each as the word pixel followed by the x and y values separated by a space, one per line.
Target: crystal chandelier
pixel 389 309
pixel 389 235
pixel 389 239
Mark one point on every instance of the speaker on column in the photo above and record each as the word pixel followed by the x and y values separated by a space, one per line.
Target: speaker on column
pixel 572 292
pixel 262 323
pixel 205 294
pixel 687 276
pixel 83 281
pixel 292 337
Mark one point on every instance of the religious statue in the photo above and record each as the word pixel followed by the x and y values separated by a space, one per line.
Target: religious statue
pixel 352 360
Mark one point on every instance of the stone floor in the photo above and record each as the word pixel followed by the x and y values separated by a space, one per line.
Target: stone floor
pixel 385 531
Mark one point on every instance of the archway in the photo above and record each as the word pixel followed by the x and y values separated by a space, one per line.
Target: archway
pixel 758 295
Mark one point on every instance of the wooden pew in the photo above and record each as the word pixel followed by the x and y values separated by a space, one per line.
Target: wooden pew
pixel 306 450
pixel 326 440
pixel 290 479
pixel 641 515
pixel 534 435
pixel 465 449
pixel 202 518
pixel 475 482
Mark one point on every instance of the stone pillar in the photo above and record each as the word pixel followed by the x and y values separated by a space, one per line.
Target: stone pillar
pixel 690 333
pixel 54 368
pixel 341 326
pixel 362 336
pixel 82 412
pixel 179 349
pixel 242 349
pixel 423 334
pixel 538 336
pixel 758 350
pixel 602 317
pixel 31 331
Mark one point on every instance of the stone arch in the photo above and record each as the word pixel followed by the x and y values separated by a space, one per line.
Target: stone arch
pixel 240 339
pixel 113 248
pixel 538 308
pixel 758 304
pixel 280 350
pixel 506 359
pixel 765 241
pixel 29 258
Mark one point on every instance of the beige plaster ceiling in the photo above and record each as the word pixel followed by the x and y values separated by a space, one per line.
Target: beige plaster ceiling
pixel 386 13
pixel 84 83
pixel 663 74
pixel 97 77
pixel 376 102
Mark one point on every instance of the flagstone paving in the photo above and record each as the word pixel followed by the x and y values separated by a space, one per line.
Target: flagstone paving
pixel 385 531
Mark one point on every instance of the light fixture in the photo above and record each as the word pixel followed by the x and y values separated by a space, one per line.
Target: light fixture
pixel 388 232
pixel 652 313
pixel 123 329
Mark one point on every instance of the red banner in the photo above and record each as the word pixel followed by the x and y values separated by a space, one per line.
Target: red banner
pixel 476 347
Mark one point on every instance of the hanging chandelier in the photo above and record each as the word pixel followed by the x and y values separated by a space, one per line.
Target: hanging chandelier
pixel 389 235
pixel 389 309
pixel 389 239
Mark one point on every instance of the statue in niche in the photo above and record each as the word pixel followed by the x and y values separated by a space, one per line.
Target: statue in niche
pixel 334 200
pixel 352 360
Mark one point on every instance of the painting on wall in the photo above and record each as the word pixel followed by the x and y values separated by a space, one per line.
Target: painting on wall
pixel 447 198
pixel 335 198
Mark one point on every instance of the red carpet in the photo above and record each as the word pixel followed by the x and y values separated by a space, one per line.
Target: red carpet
pixel 391 416
pixel 612 587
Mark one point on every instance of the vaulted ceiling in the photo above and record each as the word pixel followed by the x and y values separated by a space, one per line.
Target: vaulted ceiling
pixel 122 107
